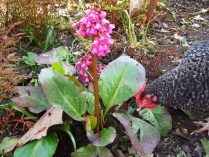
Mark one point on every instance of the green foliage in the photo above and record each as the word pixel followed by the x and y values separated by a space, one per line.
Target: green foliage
pixel 30 58
pixel 144 137
pixel 106 136
pixel 129 28
pixel 205 144
pixel 61 91
pixel 58 67
pixel 65 91
pixel 66 128
pixel 92 151
pixel 115 84
pixel 33 96
pixel 160 118
pixel 63 53
pixel 7 144
pixel 44 147
pixel 48 38
pixel 15 107
pixel 90 101
pixel 91 123
pixel 55 55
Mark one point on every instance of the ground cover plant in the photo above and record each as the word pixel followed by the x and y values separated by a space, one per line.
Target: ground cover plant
pixel 79 98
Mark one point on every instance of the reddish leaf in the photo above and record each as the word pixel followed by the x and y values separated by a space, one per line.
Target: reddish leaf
pixel 103 138
pixel 30 96
pixel 150 11
pixel 144 137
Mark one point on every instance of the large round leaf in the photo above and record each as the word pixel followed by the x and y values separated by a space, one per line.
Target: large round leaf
pixel 103 138
pixel 120 80
pixel 92 151
pixel 144 137
pixel 44 147
pixel 159 117
pixel 62 92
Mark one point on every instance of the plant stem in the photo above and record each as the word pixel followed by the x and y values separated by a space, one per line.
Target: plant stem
pixel 72 138
pixel 96 88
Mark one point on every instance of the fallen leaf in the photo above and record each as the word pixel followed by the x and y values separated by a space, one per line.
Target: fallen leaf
pixel 182 133
pixel 151 9
pixel 198 18
pixel 183 40
pixel 205 10
pixel 195 25
pixel 52 117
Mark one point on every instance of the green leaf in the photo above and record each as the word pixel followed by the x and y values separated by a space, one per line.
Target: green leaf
pixel 66 127
pixel 205 144
pixel 30 59
pixel 44 147
pixel 50 37
pixel 31 96
pixel 90 101
pixel 8 144
pixel 105 137
pixel 181 154
pixel 159 117
pixel 91 122
pixel 120 80
pixel 58 67
pixel 76 82
pixel 62 92
pixel 52 56
pixel 62 52
pixel 92 151
pixel 144 137
pixel 69 69
pixel 17 108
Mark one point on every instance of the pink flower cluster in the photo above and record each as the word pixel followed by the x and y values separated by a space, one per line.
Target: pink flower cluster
pixel 84 65
pixel 96 26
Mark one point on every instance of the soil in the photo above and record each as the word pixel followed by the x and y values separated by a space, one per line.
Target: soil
pixel 179 142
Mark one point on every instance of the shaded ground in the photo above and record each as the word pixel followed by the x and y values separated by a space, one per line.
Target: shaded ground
pixel 177 18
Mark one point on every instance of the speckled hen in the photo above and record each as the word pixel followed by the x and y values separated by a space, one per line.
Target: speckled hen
pixel 186 86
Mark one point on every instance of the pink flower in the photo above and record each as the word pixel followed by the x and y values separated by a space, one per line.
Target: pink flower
pixel 100 68
pixel 83 66
pixel 94 24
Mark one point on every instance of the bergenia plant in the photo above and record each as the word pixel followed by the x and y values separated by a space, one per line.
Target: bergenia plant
pixel 120 80
pixel 94 25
